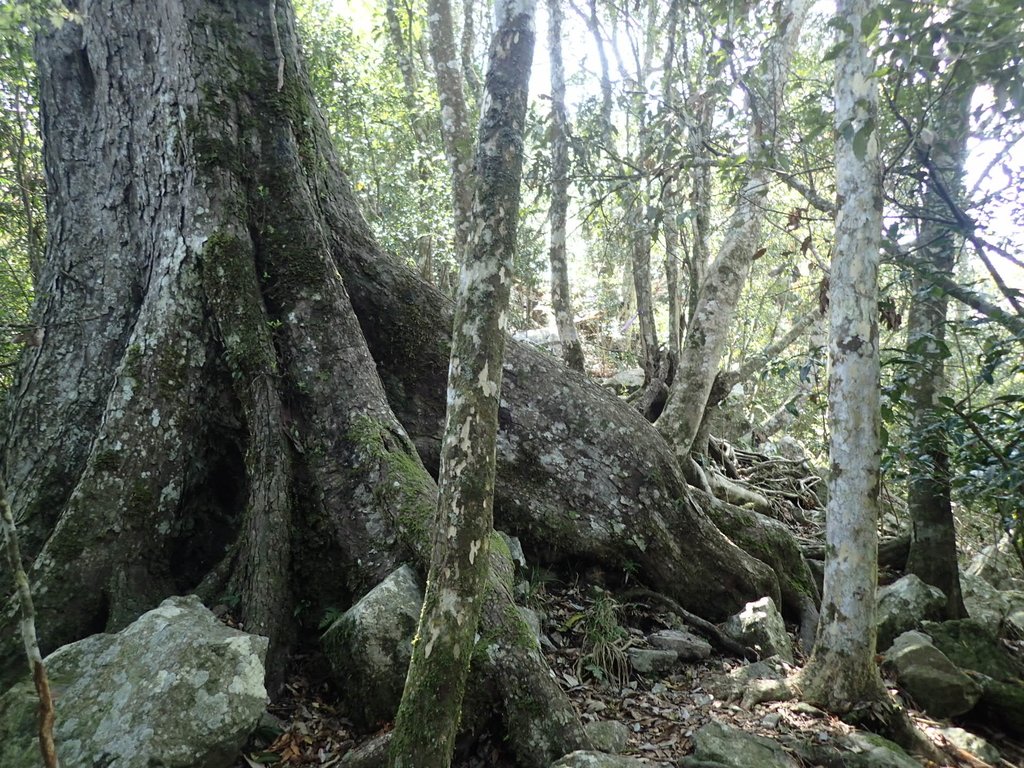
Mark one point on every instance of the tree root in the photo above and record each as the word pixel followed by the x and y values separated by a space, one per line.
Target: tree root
pixel 709 630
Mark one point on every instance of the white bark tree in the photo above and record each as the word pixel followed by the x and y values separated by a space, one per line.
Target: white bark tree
pixel 841 673
pixel 561 295
pixel 456 131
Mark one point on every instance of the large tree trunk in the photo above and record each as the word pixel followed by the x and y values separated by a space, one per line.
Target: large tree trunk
pixel 581 475
pixel 201 404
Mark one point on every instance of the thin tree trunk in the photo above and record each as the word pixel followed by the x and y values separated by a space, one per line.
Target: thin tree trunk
pixel 669 189
pixel 933 535
pixel 28 633
pixel 676 320
pixel 456 134
pixel 708 332
pixel 640 254
pixel 594 25
pixel 842 673
pixel 467 44
pixel 420 176
pixel 456 583
pixel 700 201
pixel 561 295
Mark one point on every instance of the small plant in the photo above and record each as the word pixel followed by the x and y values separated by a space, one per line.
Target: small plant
pixel 536 584
pixel 331 615
pixel 604 642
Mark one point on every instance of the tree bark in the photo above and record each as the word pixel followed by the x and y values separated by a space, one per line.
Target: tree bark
pixel 841 674
pixel 561 295
pixel 428 717
pixel 581 475
pixel 933 534
pixel 456 132
pixel 202 403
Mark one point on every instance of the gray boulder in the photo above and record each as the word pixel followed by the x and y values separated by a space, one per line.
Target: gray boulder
pixel 984 602
pixel 767 674
pixel 176 689
pixel 720 743
pixel 591 759
pixel 1013 623
pixel 930 678
pixel 652 661
pixel 625 381
pixel 871 750
pixel 369 647
pixel 969 742
pixel 688 647
pixel 608 735
pixel 760 626
pixel 904 604
pixel 999 565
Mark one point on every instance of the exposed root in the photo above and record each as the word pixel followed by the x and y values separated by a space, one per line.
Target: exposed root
pixel 709 630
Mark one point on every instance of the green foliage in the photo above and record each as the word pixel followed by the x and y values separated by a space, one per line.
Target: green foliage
pixel 604 641
pixel 22 212
pixel 400 182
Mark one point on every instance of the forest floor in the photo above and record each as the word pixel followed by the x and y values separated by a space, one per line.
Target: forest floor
pixel 587 654
pixel 586 633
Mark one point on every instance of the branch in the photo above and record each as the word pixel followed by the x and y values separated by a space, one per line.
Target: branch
pixel 1013 323
pixel 820 202
pixel 28 634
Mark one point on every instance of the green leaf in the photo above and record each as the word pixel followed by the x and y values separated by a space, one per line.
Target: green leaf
pixel 871 20
pixel 860 139
pixel 833 52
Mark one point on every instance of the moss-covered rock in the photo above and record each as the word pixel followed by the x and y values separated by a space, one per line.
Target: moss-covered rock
pixel 972 645
pixel 904 604
pixel 370 645
pixel 730 746
pixel 935 683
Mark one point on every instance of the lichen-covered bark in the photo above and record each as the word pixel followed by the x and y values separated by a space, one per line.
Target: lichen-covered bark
pixel 716 306
pixel 105 437
pixel 933 535
pixel 432 700
pixel 538 725
pixel 561 296
pixel 841 673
